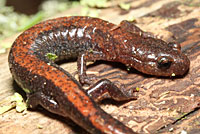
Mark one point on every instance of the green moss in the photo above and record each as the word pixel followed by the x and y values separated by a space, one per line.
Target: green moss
pixel 12 22
pixel 125 6
pixel 94 3
pixel 33 20
pixel 51 56
pixel 26 90
pixel 20 104
pixel 137 89
pixel 86 11
pixel 16 101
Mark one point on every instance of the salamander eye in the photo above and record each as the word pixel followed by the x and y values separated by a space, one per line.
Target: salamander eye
pixel 164 63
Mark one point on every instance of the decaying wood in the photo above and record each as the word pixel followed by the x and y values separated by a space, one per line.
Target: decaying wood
pixel 164 105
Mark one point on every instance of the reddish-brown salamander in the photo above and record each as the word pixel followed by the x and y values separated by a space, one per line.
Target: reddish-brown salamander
pixel 89 39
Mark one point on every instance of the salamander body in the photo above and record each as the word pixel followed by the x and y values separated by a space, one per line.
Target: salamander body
pixel 87 39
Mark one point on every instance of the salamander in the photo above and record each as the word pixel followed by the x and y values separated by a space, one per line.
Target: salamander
pixel 87 39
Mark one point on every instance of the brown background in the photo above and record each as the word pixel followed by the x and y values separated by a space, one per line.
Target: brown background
pixel 163 105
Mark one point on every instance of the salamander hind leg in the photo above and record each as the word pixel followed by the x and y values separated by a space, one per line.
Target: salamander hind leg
pixel 47 102
pixel 106 89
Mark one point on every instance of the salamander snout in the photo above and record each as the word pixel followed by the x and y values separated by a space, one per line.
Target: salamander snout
pixel 172 66
pixel 160 61
pixel 176 63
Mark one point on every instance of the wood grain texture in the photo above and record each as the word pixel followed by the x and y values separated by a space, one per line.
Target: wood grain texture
pixel 164 105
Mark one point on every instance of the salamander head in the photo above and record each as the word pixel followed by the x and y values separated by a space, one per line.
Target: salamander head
pixel 156 57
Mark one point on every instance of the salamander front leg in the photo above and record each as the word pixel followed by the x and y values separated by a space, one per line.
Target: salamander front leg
pixel 82 70
pixel 106 89
pixel 81 63
pixel 47 102
pixel 131 27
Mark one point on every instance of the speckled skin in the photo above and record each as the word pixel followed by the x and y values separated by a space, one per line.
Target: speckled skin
pixel 89 39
